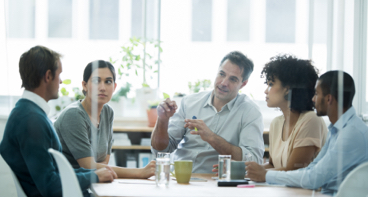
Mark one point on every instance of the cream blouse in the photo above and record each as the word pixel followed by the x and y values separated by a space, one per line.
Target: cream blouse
pixel 309 130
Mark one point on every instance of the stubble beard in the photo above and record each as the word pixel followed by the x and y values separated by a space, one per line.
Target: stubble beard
pixel 321 112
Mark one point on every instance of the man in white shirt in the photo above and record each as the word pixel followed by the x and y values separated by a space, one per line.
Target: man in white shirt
pixel 346 145
pixel 228 123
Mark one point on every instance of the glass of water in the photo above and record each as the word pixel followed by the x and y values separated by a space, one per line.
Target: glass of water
pixel 162 173
pixel 224 167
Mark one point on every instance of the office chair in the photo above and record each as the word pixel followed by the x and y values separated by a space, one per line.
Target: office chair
pixel 69 181
pixel 356 183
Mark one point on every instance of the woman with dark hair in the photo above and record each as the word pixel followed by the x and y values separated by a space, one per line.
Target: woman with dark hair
pixel 296 137
pixel 85 127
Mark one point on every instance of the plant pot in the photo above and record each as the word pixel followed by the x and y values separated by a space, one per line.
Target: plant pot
pixel 152 116
pixel 143 95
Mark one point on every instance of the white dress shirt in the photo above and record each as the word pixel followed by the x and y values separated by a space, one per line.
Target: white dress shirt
pixel 37 100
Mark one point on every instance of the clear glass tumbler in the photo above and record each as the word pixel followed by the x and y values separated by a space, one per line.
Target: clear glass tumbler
pixel 224 167
pixel 162 173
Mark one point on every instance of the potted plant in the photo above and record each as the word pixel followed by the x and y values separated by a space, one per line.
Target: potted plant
pixel 152 110
pixel 119 98
pixel 56 106
pixel 78 94
pixel 199 85
pixel 137 58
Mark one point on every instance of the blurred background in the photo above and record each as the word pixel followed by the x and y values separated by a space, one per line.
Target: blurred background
pixel 175 47
pixel 185 40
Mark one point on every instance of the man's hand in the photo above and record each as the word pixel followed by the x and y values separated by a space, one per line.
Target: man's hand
pixel 215 169
pixel 202 129
pixel 166 109
pixel 106 174
pixel 149 170
pixel 255 171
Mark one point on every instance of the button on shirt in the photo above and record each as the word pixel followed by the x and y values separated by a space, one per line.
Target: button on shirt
pixel 346 147
pixel 239 122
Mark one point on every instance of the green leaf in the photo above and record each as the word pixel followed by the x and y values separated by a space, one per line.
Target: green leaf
pixel 64 92
pixel 145 85
pixel 136 72
pixel 155 71
pixel 58 108
pixel 166 95
pixel 67 81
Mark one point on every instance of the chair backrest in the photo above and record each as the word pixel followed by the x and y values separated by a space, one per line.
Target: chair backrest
pixel 18 187
pixel 356 183
pixel 69 181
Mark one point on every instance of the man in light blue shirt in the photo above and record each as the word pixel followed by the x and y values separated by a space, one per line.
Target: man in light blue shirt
pixel 227 123
pixel 346 146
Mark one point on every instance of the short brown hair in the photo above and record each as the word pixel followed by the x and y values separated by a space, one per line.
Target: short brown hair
pixel 34 64
pixel 239 59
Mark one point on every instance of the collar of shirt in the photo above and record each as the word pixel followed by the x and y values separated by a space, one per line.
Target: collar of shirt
pixel 37 100
pixel 229 105
pixel 341 122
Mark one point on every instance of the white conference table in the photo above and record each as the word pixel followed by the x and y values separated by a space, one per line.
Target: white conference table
pixel 147 187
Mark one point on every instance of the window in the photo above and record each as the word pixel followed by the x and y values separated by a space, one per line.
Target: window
pixel 280 21
pixel 60 19
pixel 104 19
pixel 320 21
pixel 201 20
pixel 238 19
pixel 21 19
pixel 319 53
pixel 137 19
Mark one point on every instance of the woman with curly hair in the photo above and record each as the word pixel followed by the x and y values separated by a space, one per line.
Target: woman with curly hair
pixel 298 135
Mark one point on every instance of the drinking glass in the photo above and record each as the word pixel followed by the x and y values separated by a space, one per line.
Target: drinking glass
pixel 162 173
pixel 224 167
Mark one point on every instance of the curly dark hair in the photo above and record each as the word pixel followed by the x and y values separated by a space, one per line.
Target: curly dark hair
pixel 298 75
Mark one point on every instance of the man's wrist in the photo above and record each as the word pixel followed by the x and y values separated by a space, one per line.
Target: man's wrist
pixel 163 120
pixel 139 173
pixel 212 138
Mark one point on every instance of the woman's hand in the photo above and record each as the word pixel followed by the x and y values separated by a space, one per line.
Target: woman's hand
pixel 149 170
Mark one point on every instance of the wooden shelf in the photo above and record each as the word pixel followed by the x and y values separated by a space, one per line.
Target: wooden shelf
pixel 133 129
pixel 133 147
pixel 267 149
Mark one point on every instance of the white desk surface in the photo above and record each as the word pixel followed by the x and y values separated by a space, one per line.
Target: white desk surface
pixel 140 187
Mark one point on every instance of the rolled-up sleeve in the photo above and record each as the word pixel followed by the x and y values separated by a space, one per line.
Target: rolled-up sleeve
pixel 176 130
pixel 251 136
